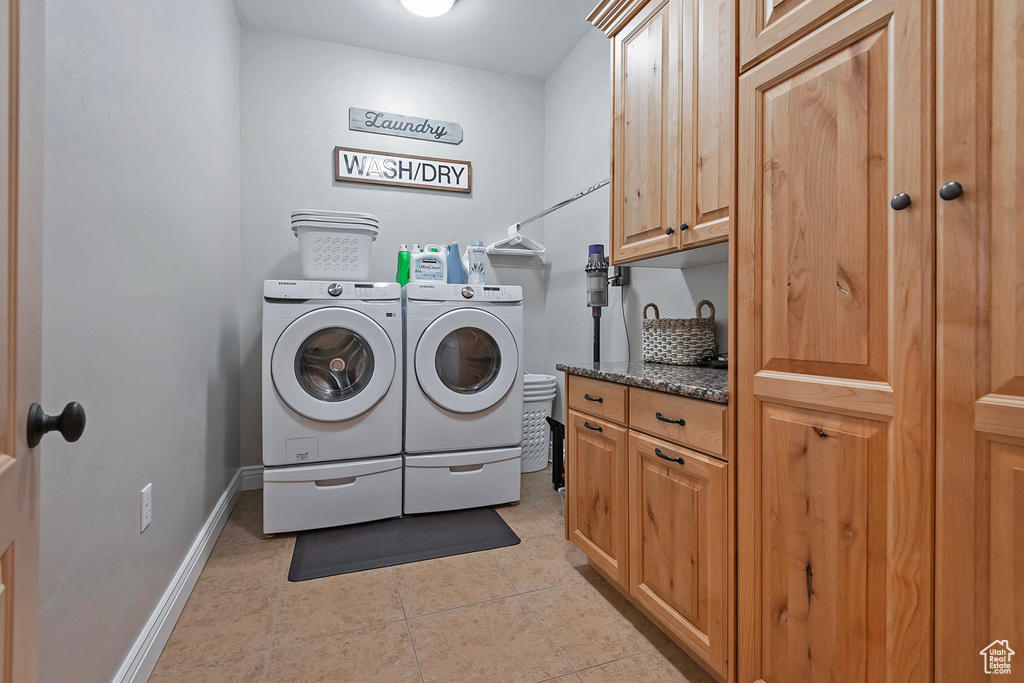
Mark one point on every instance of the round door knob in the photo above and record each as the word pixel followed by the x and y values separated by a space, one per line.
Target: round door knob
pixel 900 201
pixel 334 289
pixel 467 292
pixel 951 190
pixel 70 423
pixel 669 230
pixel 684 225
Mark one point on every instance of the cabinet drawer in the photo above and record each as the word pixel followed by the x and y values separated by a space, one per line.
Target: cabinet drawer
pixel 599 398
pixel 685 421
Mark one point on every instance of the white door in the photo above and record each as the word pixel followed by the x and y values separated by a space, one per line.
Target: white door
pixel 333 364
pixel 467 360
pixel 21 94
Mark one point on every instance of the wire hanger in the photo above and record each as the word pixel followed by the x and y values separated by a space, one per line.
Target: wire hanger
pixel 518 244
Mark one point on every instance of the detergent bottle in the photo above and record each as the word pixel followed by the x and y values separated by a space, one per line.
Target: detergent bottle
pixel 428 265
pixel 456 273
pixel 404 261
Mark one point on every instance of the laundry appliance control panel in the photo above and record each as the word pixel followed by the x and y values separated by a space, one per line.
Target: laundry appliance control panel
pixel 304 290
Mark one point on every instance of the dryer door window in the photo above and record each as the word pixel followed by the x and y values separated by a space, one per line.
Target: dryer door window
pixel 333 364
pixel 467 360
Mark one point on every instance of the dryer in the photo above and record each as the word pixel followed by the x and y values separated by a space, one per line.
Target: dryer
pixel 464 395
pixel 332 403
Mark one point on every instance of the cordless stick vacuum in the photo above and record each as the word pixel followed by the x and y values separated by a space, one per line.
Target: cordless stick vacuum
pixel 597 291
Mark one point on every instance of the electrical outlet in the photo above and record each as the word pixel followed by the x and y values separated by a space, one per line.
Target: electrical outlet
pixel 147 506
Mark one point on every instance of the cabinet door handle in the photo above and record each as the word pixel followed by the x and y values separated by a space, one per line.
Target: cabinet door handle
pixel 657 452
pixel 669 230
pixel 598 428
pixel 951 190
pixel 595 399
pixel 684 225
pixel 900 201
pixel 681 422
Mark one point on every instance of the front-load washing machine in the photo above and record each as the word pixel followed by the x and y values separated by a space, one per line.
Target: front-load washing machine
pixel 332 403
pixel 464 395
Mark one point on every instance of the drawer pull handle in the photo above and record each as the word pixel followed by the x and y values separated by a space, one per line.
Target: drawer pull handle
pixel 456 469
pixel 596 399
pixel 657 452
pixel 681 422
pixel 330 483
pixel 590 426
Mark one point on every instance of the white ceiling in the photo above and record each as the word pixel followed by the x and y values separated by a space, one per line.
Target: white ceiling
pixel 521 37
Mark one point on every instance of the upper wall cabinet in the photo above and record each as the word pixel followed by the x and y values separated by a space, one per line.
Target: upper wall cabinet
pixel 672 124
pixel 767 26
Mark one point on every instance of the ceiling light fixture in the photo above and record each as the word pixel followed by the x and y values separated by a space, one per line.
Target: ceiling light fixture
pixel 428 8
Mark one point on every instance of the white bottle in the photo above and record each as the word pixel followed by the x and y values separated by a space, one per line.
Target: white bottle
pixel 428 265
pixel 473 260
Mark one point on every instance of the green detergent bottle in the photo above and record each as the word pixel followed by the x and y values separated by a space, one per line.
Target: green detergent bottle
pixel 404 259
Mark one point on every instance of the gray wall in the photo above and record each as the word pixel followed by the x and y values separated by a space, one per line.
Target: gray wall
pixel 140 320
pixel 295 95
pixel 577 105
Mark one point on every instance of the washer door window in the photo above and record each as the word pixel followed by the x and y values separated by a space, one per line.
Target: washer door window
pixel 466 360
pixel 332 364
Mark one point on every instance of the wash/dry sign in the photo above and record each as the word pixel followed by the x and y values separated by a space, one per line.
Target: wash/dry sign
pixel 403 170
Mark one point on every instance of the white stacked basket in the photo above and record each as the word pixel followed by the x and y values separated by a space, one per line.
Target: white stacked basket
pixel 334 244
pixel 538 398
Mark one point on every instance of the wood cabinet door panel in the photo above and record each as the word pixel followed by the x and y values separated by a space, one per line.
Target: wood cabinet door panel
pixel 823 535
pixel 679 543
pixel 1006 541
pixel 713 55
pixel 767 26
pixel 825 214
pixel 646 154
pixel 835 348
pixel 979 555
pixel 597 490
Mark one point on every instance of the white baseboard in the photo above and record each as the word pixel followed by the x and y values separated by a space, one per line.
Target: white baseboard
pixel 252 477
pixel 141 659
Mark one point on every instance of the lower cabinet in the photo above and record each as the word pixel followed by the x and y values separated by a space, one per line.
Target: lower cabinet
pixel 596 473
pixel 678 531
pixel 654 516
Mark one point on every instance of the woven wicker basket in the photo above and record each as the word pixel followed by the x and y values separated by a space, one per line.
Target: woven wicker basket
pixel 679 341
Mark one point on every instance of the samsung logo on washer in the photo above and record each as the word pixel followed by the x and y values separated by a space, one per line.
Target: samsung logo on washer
pixel 403 170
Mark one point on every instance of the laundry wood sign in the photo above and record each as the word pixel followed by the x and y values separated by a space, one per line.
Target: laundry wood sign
pixel 402 170
pixel 417 127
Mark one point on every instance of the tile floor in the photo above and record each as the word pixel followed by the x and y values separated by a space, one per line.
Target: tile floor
pixel 531 612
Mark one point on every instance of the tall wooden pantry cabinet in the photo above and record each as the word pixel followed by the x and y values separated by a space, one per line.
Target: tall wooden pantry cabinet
pixel 879 338
pixel 979 532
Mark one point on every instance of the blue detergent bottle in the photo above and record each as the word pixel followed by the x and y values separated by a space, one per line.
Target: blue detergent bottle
pixel 456 272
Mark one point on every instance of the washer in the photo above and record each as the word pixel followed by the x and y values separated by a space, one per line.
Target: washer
pixel 464 395
pixel 332 403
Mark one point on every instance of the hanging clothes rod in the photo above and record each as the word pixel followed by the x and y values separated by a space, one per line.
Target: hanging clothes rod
pixel 566 202
pixel 518 244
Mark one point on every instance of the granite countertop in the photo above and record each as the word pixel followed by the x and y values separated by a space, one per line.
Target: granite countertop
pixel 692 381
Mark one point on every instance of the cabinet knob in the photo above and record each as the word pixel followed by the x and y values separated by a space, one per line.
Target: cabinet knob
pixel 684 225
pixel 669 230
pixel 900 201
pixel 951 190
